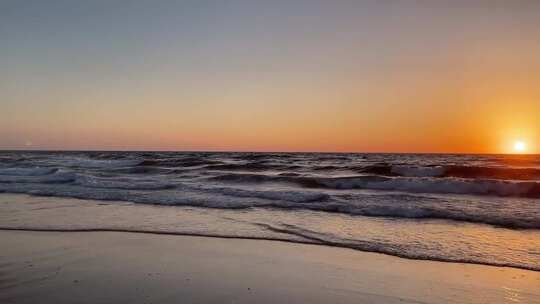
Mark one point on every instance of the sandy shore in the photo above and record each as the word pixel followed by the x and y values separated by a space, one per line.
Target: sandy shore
pixel 115 267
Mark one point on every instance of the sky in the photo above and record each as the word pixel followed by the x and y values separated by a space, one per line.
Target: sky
pixel 343 76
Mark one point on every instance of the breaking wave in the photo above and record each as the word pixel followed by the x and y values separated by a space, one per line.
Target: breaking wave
pixel 407 184
pixel 471 172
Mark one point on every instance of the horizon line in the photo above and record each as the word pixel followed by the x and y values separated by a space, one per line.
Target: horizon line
pixel 259 151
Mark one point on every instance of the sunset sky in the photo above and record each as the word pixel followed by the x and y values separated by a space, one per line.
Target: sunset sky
pixel 358 76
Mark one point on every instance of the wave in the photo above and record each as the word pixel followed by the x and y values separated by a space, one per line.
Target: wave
pixel 57 177
pixel 288 196
pixel 179 162
pixel 472 172
pixel 334 158
pixel 97 163
pixel 252 166
pixel 407 184
pixel 250 178
pixel 144 170
pixel 514 214
pixel 508 215
pixel 329 239
pixel 430 185
pixel 504 213
pixel 262 156
pixel 36 171
pixel 493 172
pixel 117 183
pixel 408 171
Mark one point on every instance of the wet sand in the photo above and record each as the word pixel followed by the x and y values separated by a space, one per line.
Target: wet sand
pixel 118 267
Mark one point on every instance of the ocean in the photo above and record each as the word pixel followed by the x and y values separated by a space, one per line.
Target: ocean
pixel 482 209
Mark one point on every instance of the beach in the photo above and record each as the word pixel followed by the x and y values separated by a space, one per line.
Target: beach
pixel 120 267
pixel 133 227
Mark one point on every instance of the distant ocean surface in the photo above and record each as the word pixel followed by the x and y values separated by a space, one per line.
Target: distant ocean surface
pixel 462 208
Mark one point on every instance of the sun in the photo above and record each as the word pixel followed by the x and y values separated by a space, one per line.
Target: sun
pixel 520 146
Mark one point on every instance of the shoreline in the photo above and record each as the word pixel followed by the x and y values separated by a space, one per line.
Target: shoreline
pixel 287 241
pixel 100 267
pixel 23 212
